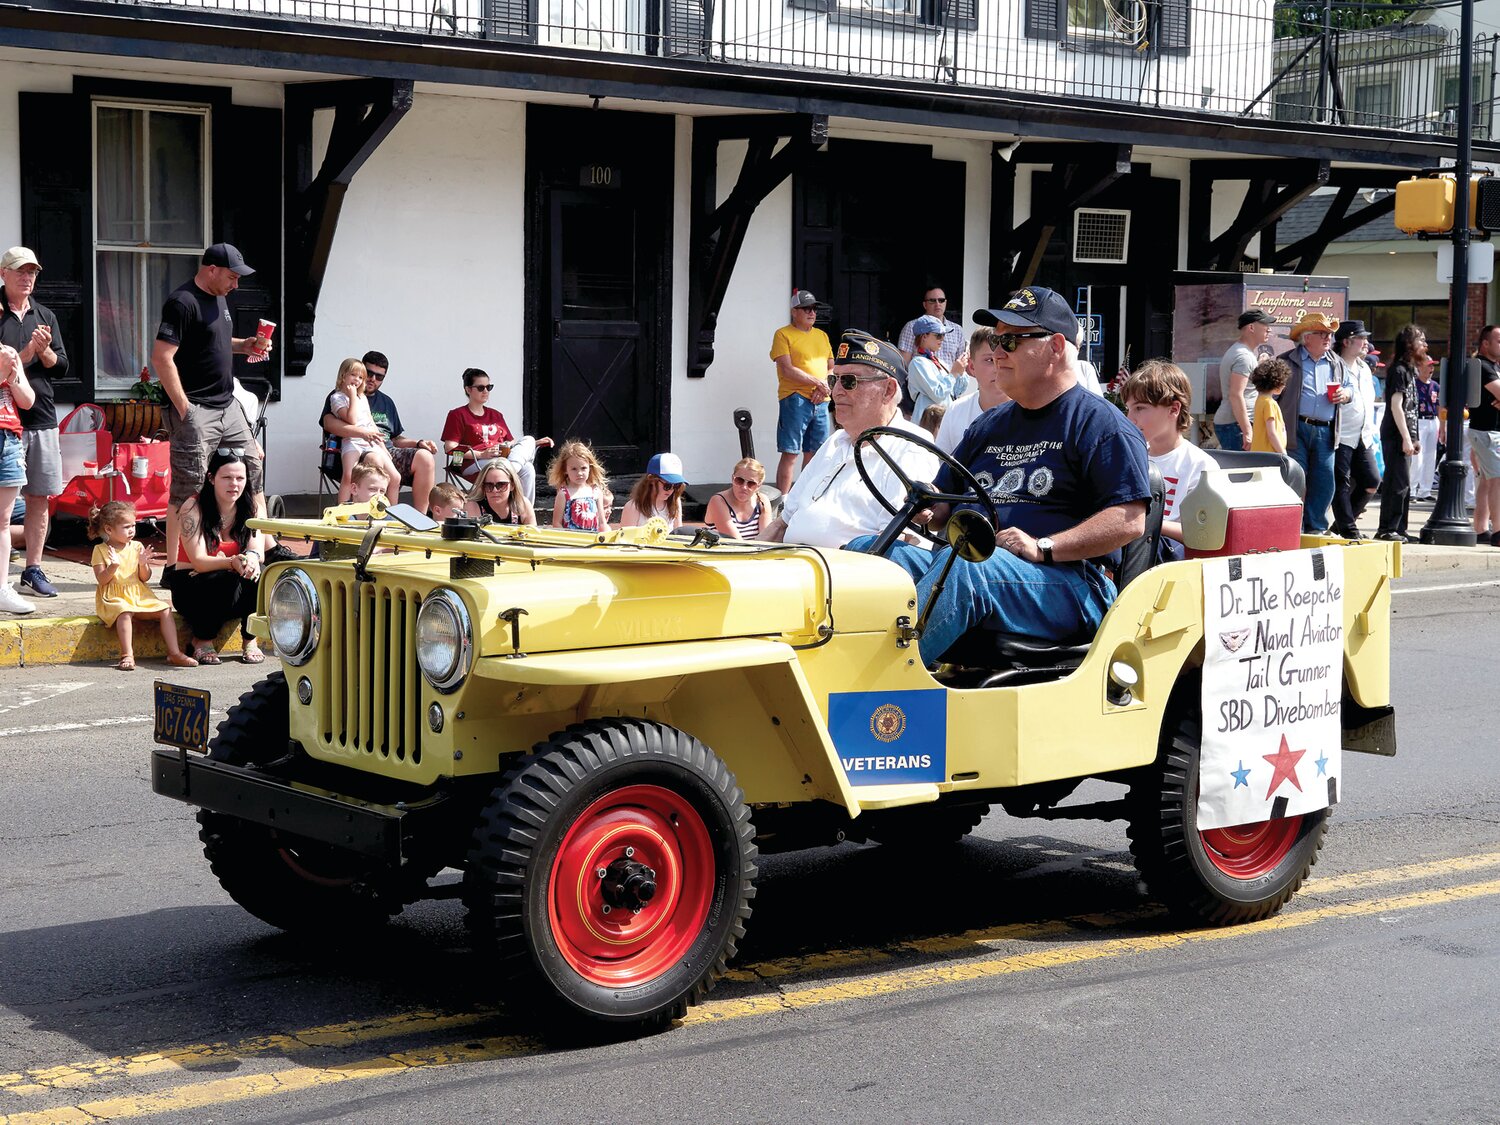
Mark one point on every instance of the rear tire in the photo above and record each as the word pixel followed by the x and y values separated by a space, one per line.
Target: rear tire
pixel 288 882
pixel 622 796
pixel 1216 877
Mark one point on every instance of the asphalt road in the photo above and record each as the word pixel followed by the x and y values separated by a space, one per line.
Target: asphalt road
pixel 1025 979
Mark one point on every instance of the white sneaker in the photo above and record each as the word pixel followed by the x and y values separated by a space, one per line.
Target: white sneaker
pixel 12 602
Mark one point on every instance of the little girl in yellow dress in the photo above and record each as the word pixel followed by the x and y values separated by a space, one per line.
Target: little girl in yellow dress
pixel 122 568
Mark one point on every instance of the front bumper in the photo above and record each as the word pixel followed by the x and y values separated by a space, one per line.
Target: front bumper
pixel 385 832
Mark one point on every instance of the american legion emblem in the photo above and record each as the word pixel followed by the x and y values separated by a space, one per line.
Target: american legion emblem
pixel 888 722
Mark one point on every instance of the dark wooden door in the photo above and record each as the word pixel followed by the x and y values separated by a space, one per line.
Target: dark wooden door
pixel 598 260
pixel 868 252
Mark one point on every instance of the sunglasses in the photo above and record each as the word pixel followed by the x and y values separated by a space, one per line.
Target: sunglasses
pixel 496 485
pixel 237 454
pixel 851 381
pixel 480 386
pixel 747 482
pixel 377 376
pixel 1010 341
pixel 934 300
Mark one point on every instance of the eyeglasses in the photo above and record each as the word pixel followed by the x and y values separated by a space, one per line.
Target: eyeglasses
pixel 237 454
pixel 1010 341
pixel 747 482
pixel 852 381
pixel 480 386
pixel 496 485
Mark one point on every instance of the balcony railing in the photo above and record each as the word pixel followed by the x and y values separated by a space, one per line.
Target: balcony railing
pixel 1216 57
pixel 1402 78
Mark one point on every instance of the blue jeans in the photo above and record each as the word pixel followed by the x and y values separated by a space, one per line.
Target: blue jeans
pixel 1230 435
pixel 801 425
pixel 1314 453
pixel 1061 602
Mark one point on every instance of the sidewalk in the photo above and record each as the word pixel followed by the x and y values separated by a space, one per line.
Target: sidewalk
pixel 64 630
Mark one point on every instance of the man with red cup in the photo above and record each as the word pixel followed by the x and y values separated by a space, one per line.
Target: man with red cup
pixel 1319 385
pixel 193 358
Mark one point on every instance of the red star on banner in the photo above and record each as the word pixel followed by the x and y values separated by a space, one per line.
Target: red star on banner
pixel 1284 766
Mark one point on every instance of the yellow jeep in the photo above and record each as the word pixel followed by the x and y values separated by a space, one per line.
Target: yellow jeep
pixel 602 733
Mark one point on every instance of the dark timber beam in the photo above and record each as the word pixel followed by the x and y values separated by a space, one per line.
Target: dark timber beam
pixel 718 232
pixel 365 112
pixel 1077 176
pixel 1338 222
pixel 1275 187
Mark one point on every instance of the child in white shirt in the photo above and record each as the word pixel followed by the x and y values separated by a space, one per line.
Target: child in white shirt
pixel 1157 399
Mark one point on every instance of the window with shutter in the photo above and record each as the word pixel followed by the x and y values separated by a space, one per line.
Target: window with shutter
pixel 510 19
pixel 1044 19
pixel 962 15
pixel 1174 35
pixel 685 27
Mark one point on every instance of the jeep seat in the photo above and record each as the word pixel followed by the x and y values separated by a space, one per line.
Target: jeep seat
pixel 986 648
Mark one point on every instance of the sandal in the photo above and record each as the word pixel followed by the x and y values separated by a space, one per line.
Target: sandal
pixel 206 656
pixel 252 656
pixel 181 660
pixel 126 664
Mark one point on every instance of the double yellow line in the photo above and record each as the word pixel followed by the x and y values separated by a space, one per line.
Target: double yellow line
pixel 779 998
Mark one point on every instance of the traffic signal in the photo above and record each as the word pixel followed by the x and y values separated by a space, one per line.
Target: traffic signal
pixel 1428 205
pixel 1487 197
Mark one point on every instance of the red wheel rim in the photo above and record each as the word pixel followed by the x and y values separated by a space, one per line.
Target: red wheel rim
pixel 615 946
pixel 1248 851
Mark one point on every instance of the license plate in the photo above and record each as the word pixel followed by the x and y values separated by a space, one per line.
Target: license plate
pixel 182 717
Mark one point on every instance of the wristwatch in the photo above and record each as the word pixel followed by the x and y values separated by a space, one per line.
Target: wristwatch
pixel 1044 545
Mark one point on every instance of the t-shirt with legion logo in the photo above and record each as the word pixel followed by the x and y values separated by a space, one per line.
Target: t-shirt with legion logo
pixel 1050 469
pixel 200 325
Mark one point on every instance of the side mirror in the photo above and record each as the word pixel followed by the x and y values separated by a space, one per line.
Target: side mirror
pixel 970 535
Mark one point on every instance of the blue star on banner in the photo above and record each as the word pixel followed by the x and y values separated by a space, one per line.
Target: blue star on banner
pixel 1322 764
pixel 1241 776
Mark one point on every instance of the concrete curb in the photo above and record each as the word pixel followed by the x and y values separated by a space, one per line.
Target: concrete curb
pixel 34 642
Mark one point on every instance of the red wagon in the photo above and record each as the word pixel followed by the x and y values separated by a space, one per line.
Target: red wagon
pixel 98 468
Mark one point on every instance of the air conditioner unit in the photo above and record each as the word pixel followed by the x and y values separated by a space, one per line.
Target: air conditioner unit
pixel 1101 236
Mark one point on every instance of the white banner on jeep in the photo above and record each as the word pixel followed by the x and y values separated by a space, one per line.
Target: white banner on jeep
pixel 1272 683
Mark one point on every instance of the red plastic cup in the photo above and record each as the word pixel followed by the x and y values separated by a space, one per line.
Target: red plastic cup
pixel 263 331
pixel 1333 391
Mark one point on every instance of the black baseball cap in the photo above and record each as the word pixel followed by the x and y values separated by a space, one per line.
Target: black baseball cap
pixel 860 347
pixel 227 255
pixel 1033 307
pixel 1256 316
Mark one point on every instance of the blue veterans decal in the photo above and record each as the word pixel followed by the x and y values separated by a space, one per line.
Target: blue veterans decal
pixel 890 737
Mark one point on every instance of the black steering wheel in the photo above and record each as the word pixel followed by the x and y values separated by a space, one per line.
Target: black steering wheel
pixel 919 494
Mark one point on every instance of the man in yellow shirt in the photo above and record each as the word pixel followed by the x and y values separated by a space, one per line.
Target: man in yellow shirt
pixel 802 354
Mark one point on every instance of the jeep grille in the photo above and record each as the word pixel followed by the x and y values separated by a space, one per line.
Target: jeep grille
pixel 373 703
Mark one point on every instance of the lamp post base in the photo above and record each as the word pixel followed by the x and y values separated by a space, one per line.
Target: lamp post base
pixel 1449 525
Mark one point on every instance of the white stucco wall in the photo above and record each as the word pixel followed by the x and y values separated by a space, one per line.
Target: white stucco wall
pixel 1407 275
pixel 428 267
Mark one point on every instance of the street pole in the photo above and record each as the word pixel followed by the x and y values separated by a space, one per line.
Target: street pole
pixel 1449 525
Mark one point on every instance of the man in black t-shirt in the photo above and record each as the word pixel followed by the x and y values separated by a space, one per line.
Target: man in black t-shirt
pixel 194 359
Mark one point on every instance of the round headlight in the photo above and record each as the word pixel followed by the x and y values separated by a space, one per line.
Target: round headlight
pixel 444 642
pixel 293 615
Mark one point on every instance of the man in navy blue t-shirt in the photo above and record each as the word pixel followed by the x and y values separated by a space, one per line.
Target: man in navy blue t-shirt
pixel 1069 478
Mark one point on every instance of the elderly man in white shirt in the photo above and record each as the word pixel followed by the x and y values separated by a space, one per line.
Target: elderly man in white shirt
pixel 830 503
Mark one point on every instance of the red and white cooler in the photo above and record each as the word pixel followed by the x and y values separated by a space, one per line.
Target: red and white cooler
pixel 1240 512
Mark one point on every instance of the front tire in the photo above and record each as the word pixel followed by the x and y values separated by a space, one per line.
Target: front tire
pixel 1221 876
pixel 293 884
pixel 612 872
